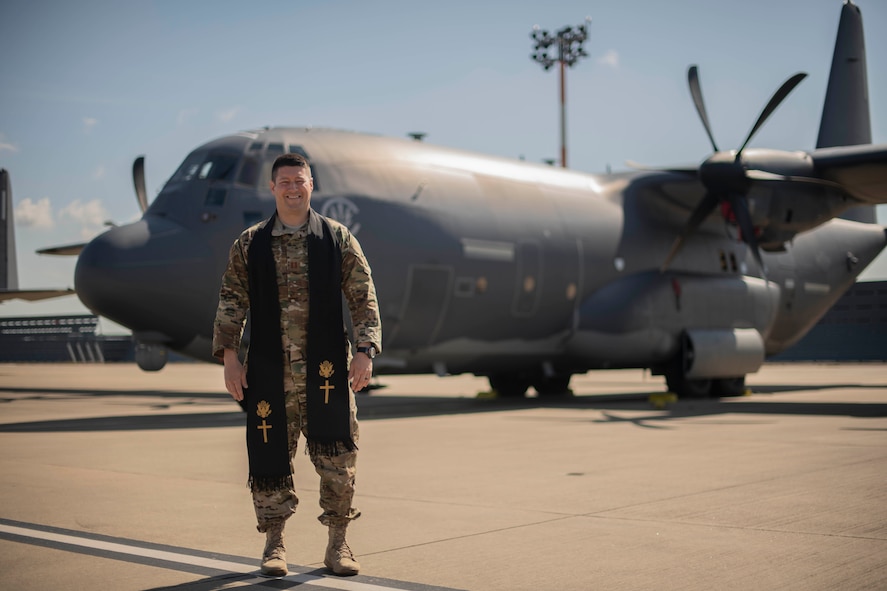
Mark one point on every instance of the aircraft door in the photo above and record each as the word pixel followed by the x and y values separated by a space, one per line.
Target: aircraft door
pixel 426 302
pixel 528 280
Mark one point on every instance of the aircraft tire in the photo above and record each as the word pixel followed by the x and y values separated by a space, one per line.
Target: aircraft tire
pixel 726 387
pixel 150 357
pixel 553 386
pixel 687 388
pixel 509 386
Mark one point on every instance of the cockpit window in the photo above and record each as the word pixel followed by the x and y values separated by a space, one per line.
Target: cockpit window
pixel 249 171
pixel 301 151
pixel 294 149
pixel 207 165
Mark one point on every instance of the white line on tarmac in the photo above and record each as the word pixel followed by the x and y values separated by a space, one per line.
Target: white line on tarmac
pixel 222 565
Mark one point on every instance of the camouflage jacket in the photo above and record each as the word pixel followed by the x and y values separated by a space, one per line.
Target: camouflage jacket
pixel 291 259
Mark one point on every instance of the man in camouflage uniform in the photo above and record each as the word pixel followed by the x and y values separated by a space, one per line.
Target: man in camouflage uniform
pixel 291 184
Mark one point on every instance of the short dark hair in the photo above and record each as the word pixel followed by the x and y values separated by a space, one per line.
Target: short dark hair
pixel 296 160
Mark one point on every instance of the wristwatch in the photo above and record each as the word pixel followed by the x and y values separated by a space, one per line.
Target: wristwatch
pixel 368 351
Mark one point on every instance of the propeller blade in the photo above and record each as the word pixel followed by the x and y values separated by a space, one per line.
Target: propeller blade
pixel 763 175
pixel 696 92
pixel 138 179
pixel 775 101
pixel 638 166
pixel 702 211
pixel 743 218
pixel 66 250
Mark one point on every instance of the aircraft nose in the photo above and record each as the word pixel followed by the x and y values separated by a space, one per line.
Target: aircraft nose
pixel 143 276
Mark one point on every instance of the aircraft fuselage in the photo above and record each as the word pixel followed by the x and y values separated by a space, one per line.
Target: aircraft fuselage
pixel 481 264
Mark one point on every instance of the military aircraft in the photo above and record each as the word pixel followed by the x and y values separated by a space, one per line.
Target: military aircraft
pixel 527 273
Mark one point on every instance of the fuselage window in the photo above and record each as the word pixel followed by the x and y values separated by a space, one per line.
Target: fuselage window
pixel 213 165
pixel 300 151
pixel 294 149
pixel 271 154
pixel 189 167
pixel 249 171
pixel 221 167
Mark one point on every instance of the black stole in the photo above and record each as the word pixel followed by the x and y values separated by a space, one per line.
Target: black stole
pixel 329 417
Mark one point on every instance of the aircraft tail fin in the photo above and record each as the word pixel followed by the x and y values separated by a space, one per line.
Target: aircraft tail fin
pixel 845 113
pixel 8 269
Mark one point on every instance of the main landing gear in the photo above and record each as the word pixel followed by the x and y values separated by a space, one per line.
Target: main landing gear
pixel 685 387
pixel 516 385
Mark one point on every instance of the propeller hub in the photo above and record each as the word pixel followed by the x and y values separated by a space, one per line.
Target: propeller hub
pixel 724 173
pixel 725 176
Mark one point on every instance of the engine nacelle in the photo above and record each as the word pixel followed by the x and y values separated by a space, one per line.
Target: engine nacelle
pixel 722 353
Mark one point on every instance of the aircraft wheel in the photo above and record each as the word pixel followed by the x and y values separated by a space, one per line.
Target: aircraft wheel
pixel 150 357
pixel 687 388
pixel 509 386
pixel 553 386
pixel 728 387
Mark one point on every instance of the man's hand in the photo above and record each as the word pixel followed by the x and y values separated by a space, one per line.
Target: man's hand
pixel 361 371
pixel 235 376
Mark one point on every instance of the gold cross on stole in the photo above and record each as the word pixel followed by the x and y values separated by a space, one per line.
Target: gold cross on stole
pixel 326 372
pixel 326 391
pixel 263 409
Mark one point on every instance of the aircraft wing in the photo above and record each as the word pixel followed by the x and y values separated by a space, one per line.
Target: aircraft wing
pixel 66 250
pixel 32 295
pixel 862 170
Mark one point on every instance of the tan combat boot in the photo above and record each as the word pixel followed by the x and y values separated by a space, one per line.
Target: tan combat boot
pixel 274 556
pixel 339 558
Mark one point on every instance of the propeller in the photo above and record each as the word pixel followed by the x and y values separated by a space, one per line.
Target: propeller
pixel 725 177
pixel 138 180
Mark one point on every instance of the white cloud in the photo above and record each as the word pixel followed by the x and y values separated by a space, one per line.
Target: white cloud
pixel 99 172
pixel 89 123
pixel 91 216
pixel 610 58
pixel 34 214
pixel 228 114
pixel 185 114
pixel 4 145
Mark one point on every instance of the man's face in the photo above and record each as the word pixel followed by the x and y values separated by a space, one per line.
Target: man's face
pixel 292 191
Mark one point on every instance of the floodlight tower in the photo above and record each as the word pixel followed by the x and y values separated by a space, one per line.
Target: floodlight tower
pixel 568 45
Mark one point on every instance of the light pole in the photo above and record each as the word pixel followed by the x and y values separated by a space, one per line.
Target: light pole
pixel 568 43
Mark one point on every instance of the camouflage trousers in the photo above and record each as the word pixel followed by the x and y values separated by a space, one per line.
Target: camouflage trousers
pixel 337 472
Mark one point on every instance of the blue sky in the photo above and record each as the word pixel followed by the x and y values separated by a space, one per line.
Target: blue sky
pixel 87 86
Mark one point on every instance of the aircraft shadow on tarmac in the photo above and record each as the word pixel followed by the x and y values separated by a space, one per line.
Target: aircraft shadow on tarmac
pixel 379 406
pixel 228 581
pixel 242 581
pixel 239 581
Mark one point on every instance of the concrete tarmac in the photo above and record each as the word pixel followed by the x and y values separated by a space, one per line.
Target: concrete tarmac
pixel 118 479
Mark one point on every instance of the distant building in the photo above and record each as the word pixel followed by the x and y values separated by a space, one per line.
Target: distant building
pixel 854 329
pixel 60 338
